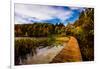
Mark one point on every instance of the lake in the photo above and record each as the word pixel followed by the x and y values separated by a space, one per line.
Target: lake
pixel 44 54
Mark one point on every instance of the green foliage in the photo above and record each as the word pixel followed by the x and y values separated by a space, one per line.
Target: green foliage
pixel 83 30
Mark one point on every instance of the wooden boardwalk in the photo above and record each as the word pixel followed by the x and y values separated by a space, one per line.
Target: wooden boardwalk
pixel 70 52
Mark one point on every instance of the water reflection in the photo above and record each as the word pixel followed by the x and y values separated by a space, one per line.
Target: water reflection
pixel 43 55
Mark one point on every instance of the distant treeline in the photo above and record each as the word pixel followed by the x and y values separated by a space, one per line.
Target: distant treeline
pixel 39 29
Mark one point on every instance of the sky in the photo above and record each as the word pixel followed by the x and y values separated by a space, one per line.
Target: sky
pixel 31 13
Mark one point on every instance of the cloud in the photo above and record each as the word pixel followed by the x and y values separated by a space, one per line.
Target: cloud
pixel 27 13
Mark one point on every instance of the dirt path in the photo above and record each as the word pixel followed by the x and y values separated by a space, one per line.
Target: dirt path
pixel 70 52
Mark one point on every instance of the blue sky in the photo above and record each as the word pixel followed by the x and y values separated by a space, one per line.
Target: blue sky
pixel 30 13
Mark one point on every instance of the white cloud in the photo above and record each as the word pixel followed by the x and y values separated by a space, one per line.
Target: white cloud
pixel 77 8
pixel 74 8
pixel 41 12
